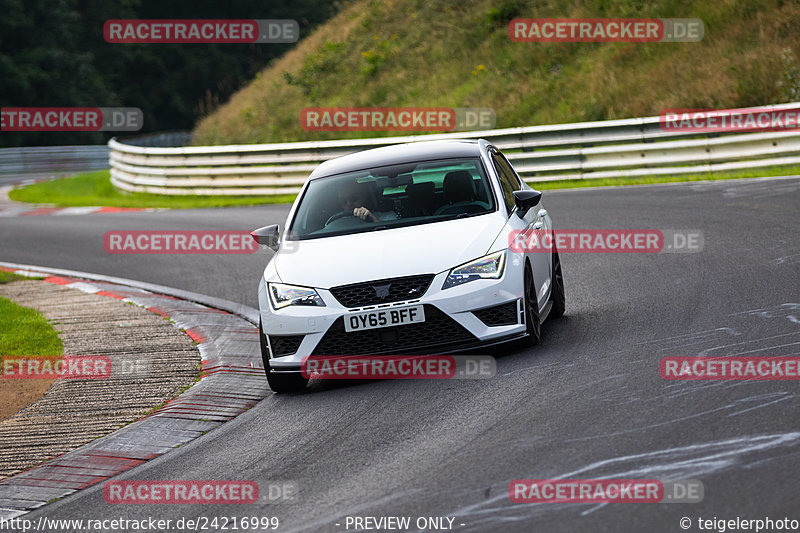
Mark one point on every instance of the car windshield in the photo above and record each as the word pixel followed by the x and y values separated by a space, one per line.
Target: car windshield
pixel 392 196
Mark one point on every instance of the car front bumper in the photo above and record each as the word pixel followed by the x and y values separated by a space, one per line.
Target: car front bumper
pixel 450 313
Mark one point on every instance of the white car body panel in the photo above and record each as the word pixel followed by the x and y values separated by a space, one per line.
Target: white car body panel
pixel 422 249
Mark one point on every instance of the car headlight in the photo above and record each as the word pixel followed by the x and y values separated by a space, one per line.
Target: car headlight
pixel 284 295
pixel 487 267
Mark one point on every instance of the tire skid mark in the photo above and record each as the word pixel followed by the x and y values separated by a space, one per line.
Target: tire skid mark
pixel 670 464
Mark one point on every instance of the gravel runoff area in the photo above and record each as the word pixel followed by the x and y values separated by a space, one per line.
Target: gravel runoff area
pixel 231 381
pixel 151 362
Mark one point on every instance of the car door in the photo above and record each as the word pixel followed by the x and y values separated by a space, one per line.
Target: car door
pixel 534 219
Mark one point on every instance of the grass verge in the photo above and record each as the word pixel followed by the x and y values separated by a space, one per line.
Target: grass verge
pixel 648 180
pixel 95 189
pixel 23 332
pixel 8 277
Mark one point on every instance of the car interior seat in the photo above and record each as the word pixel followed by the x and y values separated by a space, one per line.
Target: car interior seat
pixel 459 194
pixel 421 199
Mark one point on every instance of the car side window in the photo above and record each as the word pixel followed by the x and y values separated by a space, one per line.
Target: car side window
pixel 508 179
pixel 511 172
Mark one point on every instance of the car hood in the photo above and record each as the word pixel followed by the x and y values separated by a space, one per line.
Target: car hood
pixel 424 249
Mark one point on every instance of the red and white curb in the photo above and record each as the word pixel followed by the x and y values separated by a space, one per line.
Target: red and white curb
pixel 232 381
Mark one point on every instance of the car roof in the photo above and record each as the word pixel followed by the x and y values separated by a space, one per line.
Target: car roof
pixel 398 153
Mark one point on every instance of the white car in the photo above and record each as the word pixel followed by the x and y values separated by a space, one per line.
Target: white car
pixel 405 250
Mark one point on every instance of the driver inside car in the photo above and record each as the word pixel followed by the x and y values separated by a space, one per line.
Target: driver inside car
pixel 353 200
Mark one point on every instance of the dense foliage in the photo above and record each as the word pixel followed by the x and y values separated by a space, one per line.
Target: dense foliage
pixel 52 53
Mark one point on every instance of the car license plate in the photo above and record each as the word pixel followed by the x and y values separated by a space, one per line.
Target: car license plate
pixel 384 318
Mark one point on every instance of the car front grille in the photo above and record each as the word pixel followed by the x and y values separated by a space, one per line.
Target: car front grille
pixel 439 331
pixel 499 315
pixel 382 291
pixel 284 344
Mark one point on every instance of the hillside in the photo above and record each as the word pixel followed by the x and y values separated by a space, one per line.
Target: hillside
pixel 426 53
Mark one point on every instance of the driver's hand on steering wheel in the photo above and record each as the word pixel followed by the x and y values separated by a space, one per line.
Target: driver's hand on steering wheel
pixel 364 214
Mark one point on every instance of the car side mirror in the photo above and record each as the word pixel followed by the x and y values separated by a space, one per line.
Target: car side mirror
pixel 525 200
pixel 268 235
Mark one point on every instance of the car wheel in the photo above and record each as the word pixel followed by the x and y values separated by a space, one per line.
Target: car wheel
pixel 533 326
pixel 557 292
pixel 279 382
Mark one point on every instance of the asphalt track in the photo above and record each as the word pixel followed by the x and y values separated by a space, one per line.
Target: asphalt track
pixel 588 402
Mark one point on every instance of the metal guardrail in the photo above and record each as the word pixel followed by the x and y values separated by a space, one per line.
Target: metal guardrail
pixel 587 150
pixel 43 160
pixel 163 139
pixel 53 159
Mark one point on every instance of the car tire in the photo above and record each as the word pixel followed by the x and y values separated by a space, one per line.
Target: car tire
pixel 279 382
pixel 533 326
pixel 557 295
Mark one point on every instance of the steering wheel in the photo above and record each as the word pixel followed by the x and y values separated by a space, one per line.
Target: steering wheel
pixel 337 216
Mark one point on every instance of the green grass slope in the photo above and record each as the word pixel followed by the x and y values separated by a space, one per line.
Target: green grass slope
pixel 458 54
